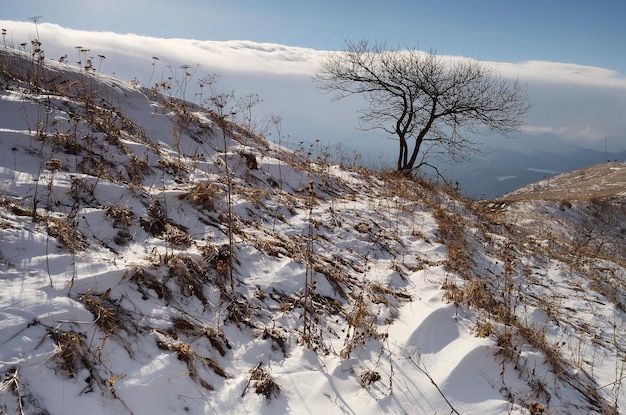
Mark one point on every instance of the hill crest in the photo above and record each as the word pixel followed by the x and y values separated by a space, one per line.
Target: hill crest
pixel 602 181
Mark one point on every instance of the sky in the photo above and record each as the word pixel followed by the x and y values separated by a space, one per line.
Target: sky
pixel 573 31
pixel 570 54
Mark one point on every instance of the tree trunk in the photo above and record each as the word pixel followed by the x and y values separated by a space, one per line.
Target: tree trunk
pixel 403 154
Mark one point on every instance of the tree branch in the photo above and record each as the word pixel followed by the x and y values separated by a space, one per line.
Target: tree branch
pixel 417 96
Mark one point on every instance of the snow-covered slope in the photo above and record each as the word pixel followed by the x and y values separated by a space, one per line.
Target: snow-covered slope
pixel 160 257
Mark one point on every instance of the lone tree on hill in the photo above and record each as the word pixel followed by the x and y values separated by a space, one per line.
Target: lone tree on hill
pixel 431 104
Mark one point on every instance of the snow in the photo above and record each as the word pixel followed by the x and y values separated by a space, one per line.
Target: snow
pixel 115 294
pixel 552 172
pixel 502 178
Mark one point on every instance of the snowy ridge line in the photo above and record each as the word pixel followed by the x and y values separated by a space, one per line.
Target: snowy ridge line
pixel 158 256
pixel 600 181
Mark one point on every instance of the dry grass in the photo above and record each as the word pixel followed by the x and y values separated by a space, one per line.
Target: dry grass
pixel 123 220
pixel 273 247
pixel 256 196
pixel 137 169
pixel 600 181
pixel 380 294
pixel 536 408
pixel 148 283
pixel 497 296
pixel 11 382
pixel 174 278
pixel 202 196
pixel 157 224
pixel 452 229
pixel 185 353
pixel 188 276
pixel 191 330
pixel 67 234
pixel 111 317
pixel 156 221
pixel 71 352
pixel 263 383
pixel 277 338
pixel 122 217
pixel 361 325
pixel 177 237
pixel 368 377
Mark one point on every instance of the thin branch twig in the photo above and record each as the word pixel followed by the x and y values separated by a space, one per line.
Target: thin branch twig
pixel 425 372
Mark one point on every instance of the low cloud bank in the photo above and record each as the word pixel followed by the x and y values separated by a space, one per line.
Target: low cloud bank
pixel 581 105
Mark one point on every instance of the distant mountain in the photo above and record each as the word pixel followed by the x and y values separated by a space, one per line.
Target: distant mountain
pixel 602 181
pixel 505 170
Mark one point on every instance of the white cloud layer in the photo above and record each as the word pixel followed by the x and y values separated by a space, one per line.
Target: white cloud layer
pixel 582 105
pixel 562 73
pixel 582 132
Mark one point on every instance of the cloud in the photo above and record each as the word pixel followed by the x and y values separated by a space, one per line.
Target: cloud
pixel 244 56
pixel 582 105
pixel 581 132
pixel 561 73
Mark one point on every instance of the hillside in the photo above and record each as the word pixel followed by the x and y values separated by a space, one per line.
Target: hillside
pixel 158 256
pixel 505 170
pixel 602 181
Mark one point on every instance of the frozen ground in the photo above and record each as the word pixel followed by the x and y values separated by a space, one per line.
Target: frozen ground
pixel 159 257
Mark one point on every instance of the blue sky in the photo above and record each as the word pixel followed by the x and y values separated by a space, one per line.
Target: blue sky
pixel 582 32
pixel 571 53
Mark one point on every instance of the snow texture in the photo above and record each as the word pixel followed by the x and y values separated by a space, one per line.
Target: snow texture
pixel 157 256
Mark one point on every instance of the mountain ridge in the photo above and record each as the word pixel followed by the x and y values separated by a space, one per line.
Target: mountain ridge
pixel 505 170
pixel 603 181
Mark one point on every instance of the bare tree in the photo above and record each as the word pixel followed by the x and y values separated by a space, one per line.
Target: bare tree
pixel 432 105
